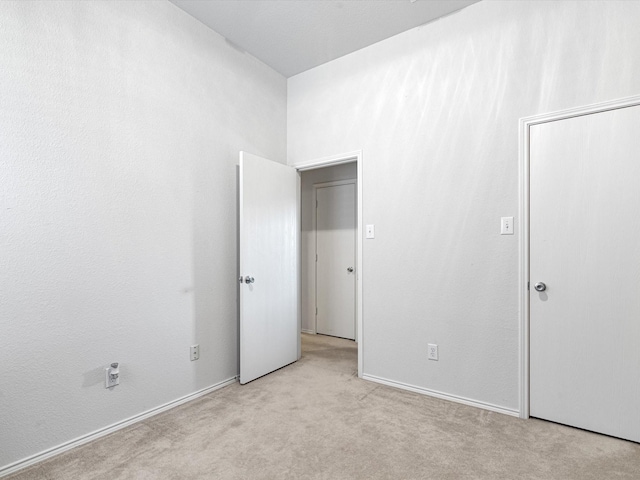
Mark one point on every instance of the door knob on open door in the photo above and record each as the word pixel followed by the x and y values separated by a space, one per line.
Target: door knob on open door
pixel 249 279
pixel 540 287
pixel 350 269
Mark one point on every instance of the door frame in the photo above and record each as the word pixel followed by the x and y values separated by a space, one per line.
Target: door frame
pixel 348 157
pixel 523 230
pixel 314 213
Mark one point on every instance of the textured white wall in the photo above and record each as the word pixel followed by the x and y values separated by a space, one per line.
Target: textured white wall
pixel 435 111
pixel 120 126
pixel 308 178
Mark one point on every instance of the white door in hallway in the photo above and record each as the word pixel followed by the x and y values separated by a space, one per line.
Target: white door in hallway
pixel 269 231
pixel 336 260
pixel 585 248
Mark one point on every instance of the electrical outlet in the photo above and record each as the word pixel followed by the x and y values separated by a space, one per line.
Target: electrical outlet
pixel 195 352
pixel 112 376
pixel 432 350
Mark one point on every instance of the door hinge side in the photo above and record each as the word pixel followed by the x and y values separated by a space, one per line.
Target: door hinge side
pixel 527 285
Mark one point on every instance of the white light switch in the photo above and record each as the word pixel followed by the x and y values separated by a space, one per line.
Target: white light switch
pixel 371 231
pixel 506 226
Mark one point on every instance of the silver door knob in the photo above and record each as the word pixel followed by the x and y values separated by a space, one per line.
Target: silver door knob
pixel 540 287
pixel 350 269
pixel 249 279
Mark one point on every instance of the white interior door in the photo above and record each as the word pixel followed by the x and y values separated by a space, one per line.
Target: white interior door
pixel 336 260
pixel 269 230
pixel 585 246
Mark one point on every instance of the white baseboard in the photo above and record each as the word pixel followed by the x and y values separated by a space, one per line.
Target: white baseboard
pixel 444 396
pixel 310 332
pixel 52 452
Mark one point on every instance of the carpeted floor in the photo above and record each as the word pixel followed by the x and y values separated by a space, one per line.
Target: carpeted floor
pixel 316 420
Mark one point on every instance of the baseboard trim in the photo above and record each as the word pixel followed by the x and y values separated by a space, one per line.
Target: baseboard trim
pixel 52 452
pixel 443 396
pixel 310 332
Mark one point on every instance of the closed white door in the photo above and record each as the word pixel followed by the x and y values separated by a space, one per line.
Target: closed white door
pixel 269 229
pixel 336 260
pixel 585 246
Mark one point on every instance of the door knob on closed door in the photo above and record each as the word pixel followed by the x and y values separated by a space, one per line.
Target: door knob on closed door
pixel 350 269
pixel 540 287
pixel 249 279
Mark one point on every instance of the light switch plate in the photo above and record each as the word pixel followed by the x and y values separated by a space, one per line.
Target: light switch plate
pixel 371 233
pixel 506 226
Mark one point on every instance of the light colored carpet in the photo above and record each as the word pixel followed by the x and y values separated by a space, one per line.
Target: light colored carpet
pixel 316 420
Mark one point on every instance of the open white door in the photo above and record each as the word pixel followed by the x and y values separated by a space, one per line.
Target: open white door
pixel 269 230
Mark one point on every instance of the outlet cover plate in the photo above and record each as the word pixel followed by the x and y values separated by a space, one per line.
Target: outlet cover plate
pixel 194 352
pixel 108 381
pixel 432 350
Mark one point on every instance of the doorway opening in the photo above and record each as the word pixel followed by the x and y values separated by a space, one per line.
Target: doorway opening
pixel 331 181
pixel 335 257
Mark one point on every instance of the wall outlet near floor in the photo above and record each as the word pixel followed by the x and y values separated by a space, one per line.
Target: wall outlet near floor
pixel 432 351
pixel 112 375
pixel 194 351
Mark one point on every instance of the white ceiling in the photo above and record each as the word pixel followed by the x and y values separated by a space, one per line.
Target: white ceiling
pixel 292 36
